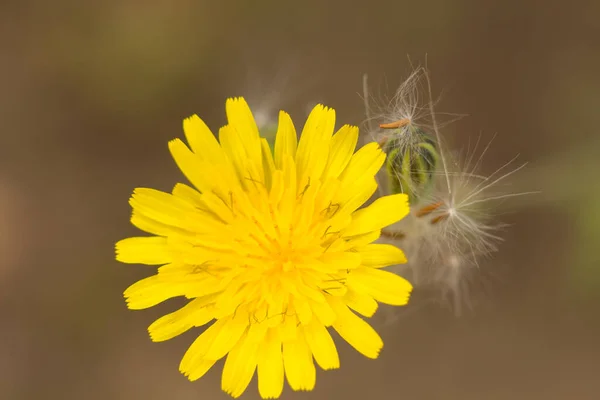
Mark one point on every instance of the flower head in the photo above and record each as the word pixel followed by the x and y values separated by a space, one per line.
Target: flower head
pixel 270 248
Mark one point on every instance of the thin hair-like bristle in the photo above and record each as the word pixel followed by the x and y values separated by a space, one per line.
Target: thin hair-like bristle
pixel 436 129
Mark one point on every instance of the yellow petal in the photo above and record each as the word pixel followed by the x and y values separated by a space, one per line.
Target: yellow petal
pixel 200 368
pixel 277 188
pixel 363 164
pixel 310 291
pixel 151 250
pixel 382 212
pixel 299 366
pixel 287 202
pixel 321 345
pixel 239 367
pixel 324 201
pixel 160 206
pixel 217 207
pixel 342 260
pixel 151 291
pixel 195 313
pixel 323 312
pixel 201 173
pixel 240 118
pixel 201 139
pixel 149 225
pixel 241 121
pixel 303 310
pixel 268 163
pixel 362 303
pixel 381 255
pixel 257 331
pixel 188 193
pixel 356 194
pixel 385 287
pixel 176 269
pixel 356 331
pixel 286 140
pixel 245 166
pixel 192 166
pixel 270 366
pixel 230 334
pixel 343 144
pixel 288 327
pixel 314 143
pixel 303 218
pixel 195 353
pixel 362 239
pixel 337 224
pixel 205 225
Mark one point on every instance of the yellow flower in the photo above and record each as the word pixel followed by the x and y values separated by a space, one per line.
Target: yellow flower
pixel 270 248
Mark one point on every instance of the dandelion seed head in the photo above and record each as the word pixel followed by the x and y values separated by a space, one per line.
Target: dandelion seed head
pixel 452 229
pixel 451 234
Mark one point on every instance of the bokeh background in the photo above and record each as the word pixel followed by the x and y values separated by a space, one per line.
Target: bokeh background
pixel 92 91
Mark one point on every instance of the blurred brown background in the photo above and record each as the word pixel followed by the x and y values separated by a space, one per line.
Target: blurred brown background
pixel 92 92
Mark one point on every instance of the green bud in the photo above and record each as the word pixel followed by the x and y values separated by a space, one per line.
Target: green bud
pixel 411 162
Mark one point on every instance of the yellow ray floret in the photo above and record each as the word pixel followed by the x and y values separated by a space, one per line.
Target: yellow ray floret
pixel 270 248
